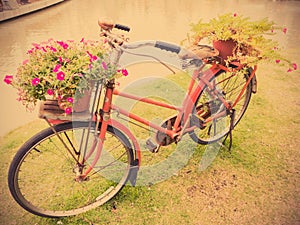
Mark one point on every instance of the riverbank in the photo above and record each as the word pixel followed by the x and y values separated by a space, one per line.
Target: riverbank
pixel 17 10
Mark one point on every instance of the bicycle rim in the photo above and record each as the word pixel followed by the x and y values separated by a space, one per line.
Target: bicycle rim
pixel 42 174
pixel 229 85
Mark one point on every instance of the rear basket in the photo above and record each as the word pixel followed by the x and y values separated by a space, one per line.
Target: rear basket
pixel 49 109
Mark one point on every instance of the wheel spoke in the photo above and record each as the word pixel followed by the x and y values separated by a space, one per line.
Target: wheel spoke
pixel 42 174
pixel 208 105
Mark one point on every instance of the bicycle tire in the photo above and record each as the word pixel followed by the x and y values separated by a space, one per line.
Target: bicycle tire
pixel 41 175
pixel 230 88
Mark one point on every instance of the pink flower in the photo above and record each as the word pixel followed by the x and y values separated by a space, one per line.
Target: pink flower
pixel 82 40
pixel 284 30
pixel 70 99
pixel 68 110
pixel 35 81
pixel 289 70
pixel 104 65
pixel 25 61
pixel 35 45
pixel 53 49
pixel 60 60
pixel 60 75
pixel 63 44
pixel 30 51
pixel 277 60
pixel 56 68
pixel 124 72
pixel 295 66
pixel 235 14
pixel 50 92
pixel 8 79
pixel 92 57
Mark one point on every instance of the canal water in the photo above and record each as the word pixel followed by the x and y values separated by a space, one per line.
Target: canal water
pixel 166 20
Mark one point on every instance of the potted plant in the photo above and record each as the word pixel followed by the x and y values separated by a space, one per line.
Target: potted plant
pixel 248 40
pixel 59 69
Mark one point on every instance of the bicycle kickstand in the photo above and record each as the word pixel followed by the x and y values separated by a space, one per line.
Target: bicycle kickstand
pixel 231 127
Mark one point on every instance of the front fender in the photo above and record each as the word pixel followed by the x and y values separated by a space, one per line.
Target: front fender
pixel 126 131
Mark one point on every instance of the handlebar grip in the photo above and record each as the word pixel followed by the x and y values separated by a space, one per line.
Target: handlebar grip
pixel 167 46
pixel 122 27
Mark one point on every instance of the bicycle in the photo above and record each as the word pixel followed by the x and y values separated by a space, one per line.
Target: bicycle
pixel 80 163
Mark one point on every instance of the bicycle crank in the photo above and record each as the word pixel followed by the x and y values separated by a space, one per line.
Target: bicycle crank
pixel 162 138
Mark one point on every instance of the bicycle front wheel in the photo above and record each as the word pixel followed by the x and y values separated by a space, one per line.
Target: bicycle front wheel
pixel 42 175
pixel 229 85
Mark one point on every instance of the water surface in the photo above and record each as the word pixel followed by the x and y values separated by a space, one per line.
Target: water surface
pixel 157 19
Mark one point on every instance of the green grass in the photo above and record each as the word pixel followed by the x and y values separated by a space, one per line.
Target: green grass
pixel 257 183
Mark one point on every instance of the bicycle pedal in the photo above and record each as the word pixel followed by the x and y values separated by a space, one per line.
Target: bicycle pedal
pixel 151 146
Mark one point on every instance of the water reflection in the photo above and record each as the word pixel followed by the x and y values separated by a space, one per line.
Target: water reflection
pixel 157 19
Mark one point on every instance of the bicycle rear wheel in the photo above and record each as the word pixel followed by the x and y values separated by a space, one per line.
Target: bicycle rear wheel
pixel 229 85
pixel 42 174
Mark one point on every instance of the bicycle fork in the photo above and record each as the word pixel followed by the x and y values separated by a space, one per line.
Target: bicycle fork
pixel 104 117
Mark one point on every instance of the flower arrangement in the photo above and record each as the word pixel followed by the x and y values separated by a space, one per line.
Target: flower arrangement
pixel 250 38
pixel 59 69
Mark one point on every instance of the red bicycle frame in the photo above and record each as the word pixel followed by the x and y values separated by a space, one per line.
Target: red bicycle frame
pixel 193 92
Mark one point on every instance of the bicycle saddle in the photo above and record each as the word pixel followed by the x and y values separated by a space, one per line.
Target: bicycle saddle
pixel 105 25
pixel 203 51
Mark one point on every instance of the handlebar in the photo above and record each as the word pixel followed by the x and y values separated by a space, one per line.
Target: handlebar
pixel 122 27
pixel 118 40
pixel 167 46
pixel 108 26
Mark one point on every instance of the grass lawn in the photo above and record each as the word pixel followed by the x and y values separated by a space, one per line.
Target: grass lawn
pixel 257 183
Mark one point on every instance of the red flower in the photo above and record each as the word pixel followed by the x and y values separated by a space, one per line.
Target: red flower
pixel 60 75
pixel 234 14
pixel 63 44
pixel 277 60
pixel 284 30
pixel 70 99
pixel 53 49
pixel 35 81
pixel 50 92
pixel 56 68
pixel 68 110
pixel 295 66
pixel 124 72
pixel 8 79
pixel 92 57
